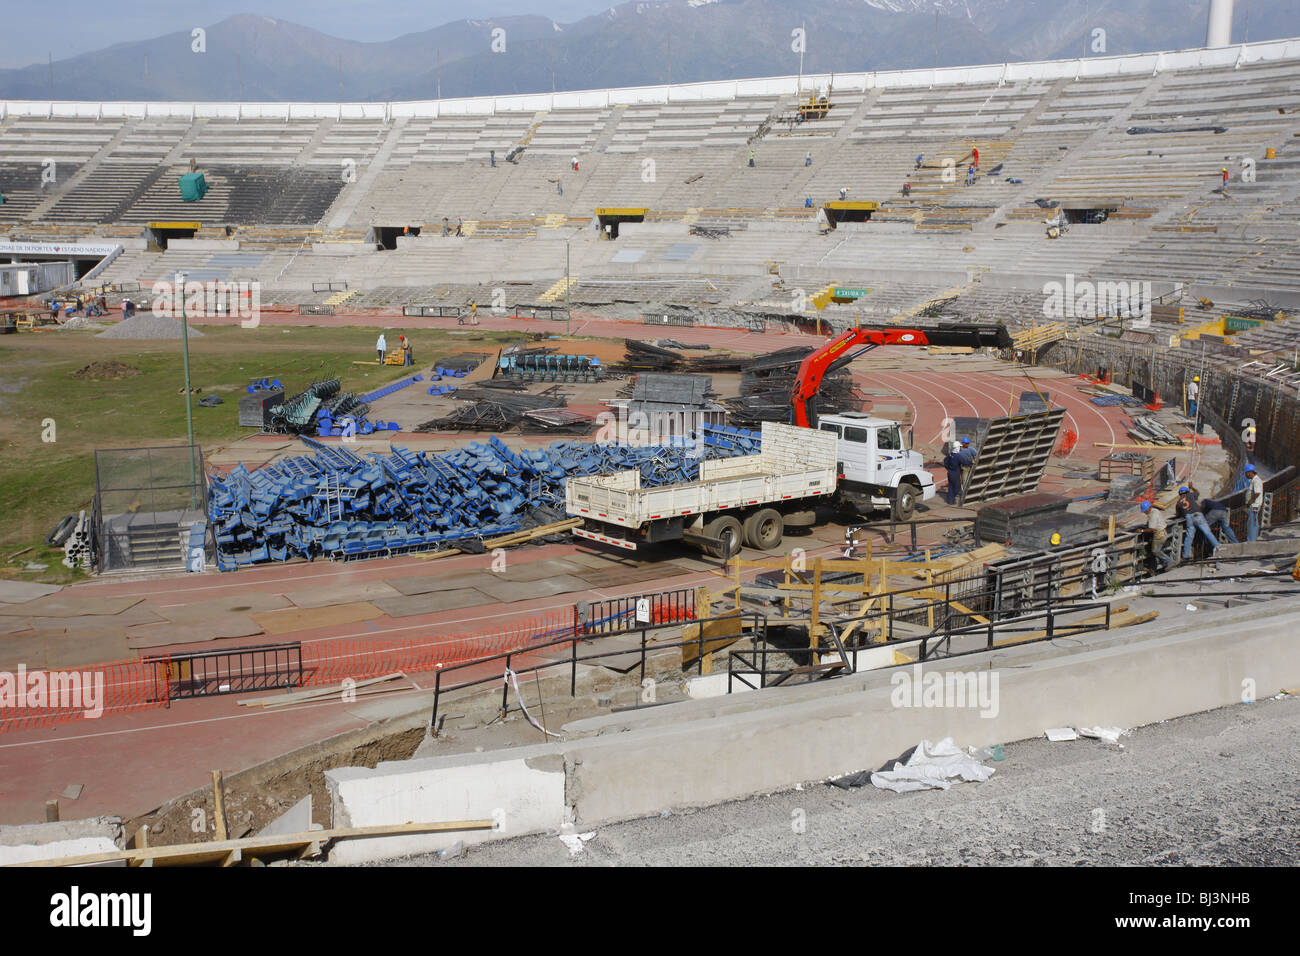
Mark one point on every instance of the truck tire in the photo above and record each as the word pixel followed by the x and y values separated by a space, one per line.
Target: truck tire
pixel 728 529
pixel 905 500
pixel 804 518
pixel 763 529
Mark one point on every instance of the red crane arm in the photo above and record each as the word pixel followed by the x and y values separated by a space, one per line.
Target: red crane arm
pixel 813 369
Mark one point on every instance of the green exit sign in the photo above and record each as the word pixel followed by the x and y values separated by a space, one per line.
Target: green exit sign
pixel 838 293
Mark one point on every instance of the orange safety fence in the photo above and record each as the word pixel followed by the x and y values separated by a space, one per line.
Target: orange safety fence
pixel 1069 438
pixel 41 698
pixel 45 697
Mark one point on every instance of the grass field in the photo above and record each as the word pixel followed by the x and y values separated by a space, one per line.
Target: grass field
pixel 41 398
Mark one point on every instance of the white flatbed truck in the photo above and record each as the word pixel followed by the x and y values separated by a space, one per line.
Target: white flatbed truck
pixel 853 458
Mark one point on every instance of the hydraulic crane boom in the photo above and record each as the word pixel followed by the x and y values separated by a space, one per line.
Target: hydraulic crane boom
pixel 813 369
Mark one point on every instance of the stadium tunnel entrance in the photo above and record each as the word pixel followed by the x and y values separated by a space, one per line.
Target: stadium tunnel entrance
pixel 386 236
pixel 610 217
pixel 1090 214
pixel 844 211
pixel 160 233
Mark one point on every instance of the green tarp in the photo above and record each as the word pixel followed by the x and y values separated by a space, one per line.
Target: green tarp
pixel 193 186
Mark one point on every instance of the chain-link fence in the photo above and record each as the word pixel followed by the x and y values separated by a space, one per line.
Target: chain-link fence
pixel 147 501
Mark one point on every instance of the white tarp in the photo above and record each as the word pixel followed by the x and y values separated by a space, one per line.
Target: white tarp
pixel 931 767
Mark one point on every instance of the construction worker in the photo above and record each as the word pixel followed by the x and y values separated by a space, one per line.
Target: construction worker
pixel 1188 508
pixel 751 157
pixel 844 192
pixel 492 158
pixel 1254 502
pixel 807 160
pixel 920 158
pixel 408 352
pixel 952 463
pixel 473 312
pixel 1248 436
pixel 1158 528
pixel 975 158
pixel 1193 392
pixel 1216 516
pixel 1225 175
pixel 381 346
pixel 967 450
pixel 970 174
pixel 907 187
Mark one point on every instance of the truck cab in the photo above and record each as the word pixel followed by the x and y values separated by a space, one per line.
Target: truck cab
pixel 877 467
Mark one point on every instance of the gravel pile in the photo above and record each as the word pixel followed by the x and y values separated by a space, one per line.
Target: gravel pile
pixel 146 325
pixel 78 322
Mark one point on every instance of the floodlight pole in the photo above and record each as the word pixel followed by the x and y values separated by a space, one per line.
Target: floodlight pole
pixel 568 318
pixel 189 405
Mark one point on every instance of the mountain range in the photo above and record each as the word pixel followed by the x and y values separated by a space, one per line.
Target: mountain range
pixel 253 58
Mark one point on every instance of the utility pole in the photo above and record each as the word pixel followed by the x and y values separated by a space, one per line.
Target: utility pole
pixel 568 317
pixel 189 406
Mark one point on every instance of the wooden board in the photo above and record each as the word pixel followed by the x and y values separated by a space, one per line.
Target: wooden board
pixel 508 592
pixel 18 592
pixel 433 581
pixel 303 619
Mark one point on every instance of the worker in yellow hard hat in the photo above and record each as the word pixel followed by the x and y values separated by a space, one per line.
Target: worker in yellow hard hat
pixel 1225 175
pixel 1193 393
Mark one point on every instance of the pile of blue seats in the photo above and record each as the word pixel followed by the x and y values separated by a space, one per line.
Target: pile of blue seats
pixel 336 504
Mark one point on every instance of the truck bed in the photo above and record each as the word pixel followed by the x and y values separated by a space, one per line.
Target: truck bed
pixel 794 463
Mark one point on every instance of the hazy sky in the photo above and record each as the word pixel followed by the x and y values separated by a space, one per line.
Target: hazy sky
pixel 30 32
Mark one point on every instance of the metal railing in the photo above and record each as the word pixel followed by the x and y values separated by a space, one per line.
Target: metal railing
pixel 235 671
pixel 615 614
pixel 757 629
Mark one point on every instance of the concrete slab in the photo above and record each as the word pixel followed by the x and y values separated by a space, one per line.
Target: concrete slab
pixel 409 605
pixel 297 819
pixel 343 594
pixel 303 619
pixel 18 592
pixel 69 603
pixel 507 592
pixel 160 635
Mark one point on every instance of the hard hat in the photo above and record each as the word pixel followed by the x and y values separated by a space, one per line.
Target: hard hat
pixel 1250 469
pixel 1056 537
pixel 1196 378
pixel 1146 506
pixel 1182 489
pixel 965 439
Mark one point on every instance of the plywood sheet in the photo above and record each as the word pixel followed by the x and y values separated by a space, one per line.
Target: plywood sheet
pixel 16 592
pixel 249 601
pixel 41 649
pixel 304 619
pixel 536 570
pixel 342 594
pixel 161 635
pixel 70 603
pixel 410 605
pixel 424 583
pixel 611 577
pixel 94 622
pixel 507 592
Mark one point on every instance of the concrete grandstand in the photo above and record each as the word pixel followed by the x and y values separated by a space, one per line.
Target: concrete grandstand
pixel 337 211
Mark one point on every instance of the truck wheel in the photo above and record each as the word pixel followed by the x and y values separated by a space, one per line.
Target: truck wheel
pixel 763 529
pixel 905 501
pixel 799 519
pixel 728 529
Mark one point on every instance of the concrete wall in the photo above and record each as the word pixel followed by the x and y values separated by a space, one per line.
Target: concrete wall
pixel 523 790
pixel 702 752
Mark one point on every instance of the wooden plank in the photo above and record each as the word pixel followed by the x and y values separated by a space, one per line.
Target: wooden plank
pixel 182 854
pixel 302 695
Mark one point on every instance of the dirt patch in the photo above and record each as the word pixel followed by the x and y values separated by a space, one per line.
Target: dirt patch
pixel 106 371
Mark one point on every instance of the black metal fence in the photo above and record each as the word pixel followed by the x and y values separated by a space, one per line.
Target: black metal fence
pixel 235 671
pixel 617 615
